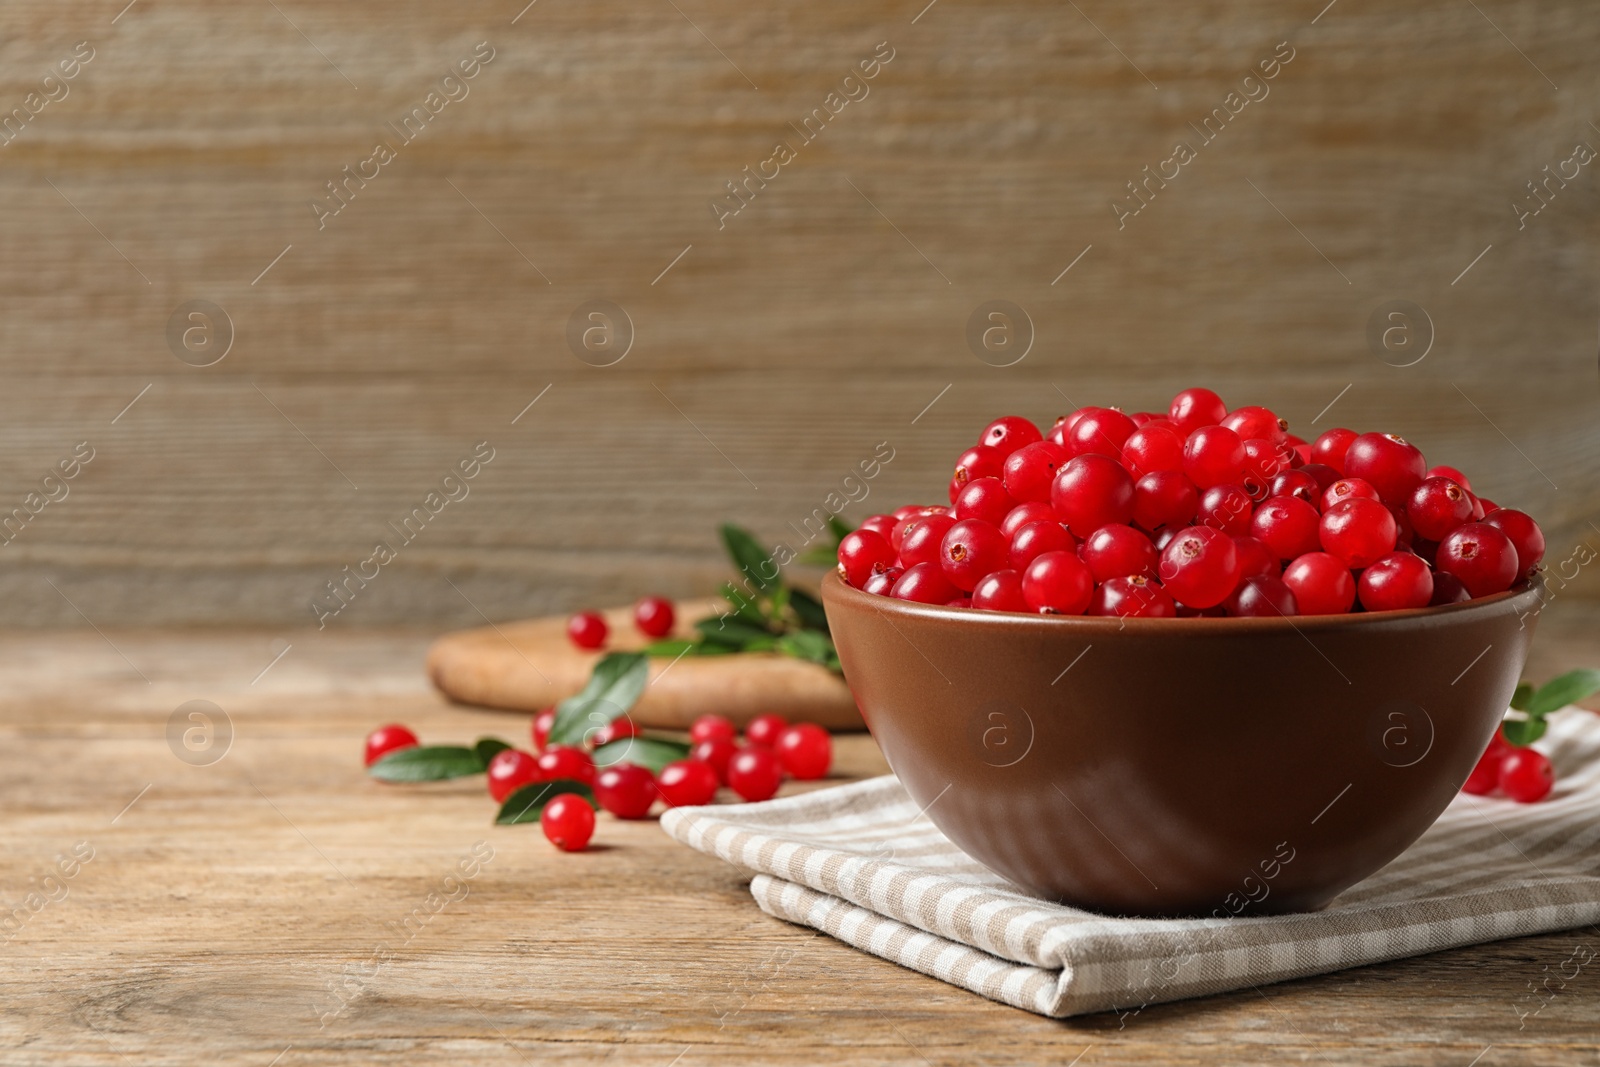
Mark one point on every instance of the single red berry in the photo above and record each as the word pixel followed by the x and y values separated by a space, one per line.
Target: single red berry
pixel 509 770
pixel 1063 426
pixel 1009 433
pixel 1322 474
pixel 1199 566
pixel 615 730
pixel 971 549
pixel 1482 556
pixel 1358 531
pixel 687 782
pixel 984 499
pixel 1022 514
pixel 587 629
pixel 565 761
pixel 653 616
pixel 1485 776
pixel 1132 597
pixel 714 752
pixel 1345 489
pixel 1438 505
pixel 1058 583
pixel 542 724
pixel 1194 408
pixel 712 727
pixel 1117 551
pixel 882 583
pixel 1298 484
pixel 911 511
pixel 908 524
pixel 979 461
pixel 1000 591
pixel 626 790
pixel 863 553
pixel 1263 461
pixel 1143 418
pixel 1035 539
pixel 920 538
pixel 1261 598
pixel 805 750
pixel 1090 492
pixel 924 583
pixel 386 739
pixel 1153 448
pixel 1526 775
pixel 1397 581
pixel 1287 525
pixel 1525 537
pixel 1031 470
pixel 1452 473
pixel 1256 560
pixel 1099 432
pixel 1213 455
pixel 1164 498
pixel 1257 422
pixel 763 730
pixel 567 822
pixel 1447 589
pixel 755 773
pixel 1391 464
pixel 1330 448
pixel 1321 584
pixel 882 525
pixel 1227 508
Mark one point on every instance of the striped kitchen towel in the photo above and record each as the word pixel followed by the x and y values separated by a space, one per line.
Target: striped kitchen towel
pixel 861 863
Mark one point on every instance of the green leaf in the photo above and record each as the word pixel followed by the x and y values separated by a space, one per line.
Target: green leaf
pixel 1523 732
pixel 809 609
pixel 1520 698
pixel 487 748
pixel 616 683
pixel 778 602
pixel 745 607
pixel 527 803
pixel 807 645
pixel 652 752
pixel 428 763
pixel 749 558
pixel 734 634
pixel 672 648
pixel 819 556
pixel 840 528
pixel 1563 690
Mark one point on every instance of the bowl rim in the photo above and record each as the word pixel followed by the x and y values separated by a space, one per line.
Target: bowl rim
pixel 834 587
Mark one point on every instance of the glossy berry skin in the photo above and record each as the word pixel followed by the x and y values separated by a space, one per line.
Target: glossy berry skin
pixel 1132 597
pixel 1298 484
pixel 653 615
pixel 1031 470
pixel 1117 551
pixel 1330 448
pixel 882 525
pixel 921 537
pixel 1213 455
pixel 1194 408
pixel 1058 583
pixel 1261 598
pixel 1346 488
pixel 587 629
pixel 882 583
pixel 1090 492
pixel 1153 448
pixel 1358 531
pixel 1526 775
pixel 1395 582
pixel 1485 776
pixel 1099 432
pixel 1022 514
pixel 1256 560
pixel 1321 584
pixel 387 739
pixel 711 727
pixel 925 583
pixel 1009 433
pixel 1164 498
pixel 1288 526
pixel 1257 422
pixel 1000 591
pixel 979 461
pixel 1227 508
pixel 1199 566
pixel 764 729
pixel 1263 461
pixel 862 553
pixel 971 549
pixel 509 770
pixel 1058 433
pixel 564 761
pixel 984 499
pixel 755 773
pixel 615 730
pixel 1481 556
pixel 714 752
pixel 806 751
pixel 1447 589
pixel 1035 539
pixel 567 822
pixel 1392 465
pixel 1452 473
pixel 1438 505
pixel 542 724
pixel 1525 537
pixel 687 782
pixel 626 790
pixel 1322 474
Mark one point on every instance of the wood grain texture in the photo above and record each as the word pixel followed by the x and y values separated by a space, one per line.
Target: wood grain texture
pixel 223 900
pixel 779 349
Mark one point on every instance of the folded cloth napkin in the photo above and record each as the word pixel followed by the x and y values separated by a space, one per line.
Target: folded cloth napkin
pixel 861 863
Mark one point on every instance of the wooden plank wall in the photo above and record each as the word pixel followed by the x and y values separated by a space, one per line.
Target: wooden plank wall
pixel 772 349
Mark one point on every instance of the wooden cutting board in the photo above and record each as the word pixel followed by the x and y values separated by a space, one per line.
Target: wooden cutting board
pixel 526 666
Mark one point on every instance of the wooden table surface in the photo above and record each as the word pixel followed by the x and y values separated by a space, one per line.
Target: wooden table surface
pixel 223 902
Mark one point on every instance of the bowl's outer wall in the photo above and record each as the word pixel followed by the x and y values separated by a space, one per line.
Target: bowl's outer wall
pixel 1170 770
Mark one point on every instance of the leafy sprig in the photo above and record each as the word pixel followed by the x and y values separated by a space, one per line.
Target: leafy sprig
pixel 1534 705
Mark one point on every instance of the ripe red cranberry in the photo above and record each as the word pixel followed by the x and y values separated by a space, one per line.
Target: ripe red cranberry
pixel 626 790
pixel 653 615
pixel 1200 566
pixel 1358 531
pixel 1287 525
pixel 1000 591
pixel 1164 498
pixel 1525 537
pixel 862 554
pixel 882 525
pixel 911 511
pixel 1479 509
pixel 984 499
pixel 1035 539
pixel 1398 580
pixel 509 770
pixel 1438 505
pixel 907 524
pixel 1153 448
pixel 763 730
pixel 1058 583
pixel 882 583
pixel 542 724
pixel 1526 775
pixel 564 761
pixel 1009 433
pixel 615 730
pixel 1090 492
pixel 755 773
pixel 714 752
pixel 687 782
pixel 971 549
pixel 1256 560
pixel 1323 474
pixel 387 739
pixel 1391 464
pixel 587 629
pixel 1447 589
pixel 1261 598
pixel 1100 432
pixel 979 461
pixel 1344 489
pixel 711 727
pixel 1260 422
pixel 1213 455
pixel 1022 514
pixel 1452 473
pixel 924 583
pixel 1227 508
pixel 1330 448
pixel 1117 551
pixel 1298 484
pixel 1321 584
pixel 1263 461
pixel 567 822
pixel 921 537
pixel 1143 418
pixel 1194 408
pixel 806 751
pixel 1064 424
pixel 1030 470
pixel 1482 556
pixel 1485 776
pixel 1132 597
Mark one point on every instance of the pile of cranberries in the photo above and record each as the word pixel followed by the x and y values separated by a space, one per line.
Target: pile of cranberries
pixel 1522 774
pixel 653 616
pixel 1200 511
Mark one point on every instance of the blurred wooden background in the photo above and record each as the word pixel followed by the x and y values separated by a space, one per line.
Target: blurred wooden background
pixel 371 355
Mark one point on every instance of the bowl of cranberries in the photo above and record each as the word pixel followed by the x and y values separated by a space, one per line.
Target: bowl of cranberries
pixel 1139 659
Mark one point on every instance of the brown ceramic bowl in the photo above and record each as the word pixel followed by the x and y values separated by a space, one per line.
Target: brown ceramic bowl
pixel 1181 766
